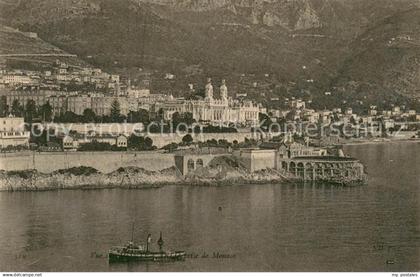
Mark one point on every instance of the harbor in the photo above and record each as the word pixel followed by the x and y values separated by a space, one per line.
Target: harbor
pixel 280 162
pixel 330 227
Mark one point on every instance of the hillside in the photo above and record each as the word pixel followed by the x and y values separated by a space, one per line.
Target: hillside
pixel 387 56
pixel 293 40
pixel 217 39
pixel 26 50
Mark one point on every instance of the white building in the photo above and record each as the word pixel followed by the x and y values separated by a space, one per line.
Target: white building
pixel 122 142
pixel 169 76
pixel 70 144
pixel 412 113
pixel 14 79
pixel 210 109
pixel 115 78
pixel 12 132
pixel 297 104
pixel 396 110
pixel 138 93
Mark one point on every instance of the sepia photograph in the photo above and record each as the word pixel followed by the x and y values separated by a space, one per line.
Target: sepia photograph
pixel 212 136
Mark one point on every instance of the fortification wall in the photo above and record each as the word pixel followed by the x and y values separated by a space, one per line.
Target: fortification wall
pixel 107 161
pixel 103 161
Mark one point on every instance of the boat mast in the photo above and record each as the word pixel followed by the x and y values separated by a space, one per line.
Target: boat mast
pixel 160 242
pixel 149 239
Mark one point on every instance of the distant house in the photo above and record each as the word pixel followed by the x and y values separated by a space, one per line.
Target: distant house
pixel 30 34
pixel 389 123
pixel 70 144
pixel 121 142
pixel 297 104
pixel 62 71
pixel 412 113
pixel 115 78
pixel 169 76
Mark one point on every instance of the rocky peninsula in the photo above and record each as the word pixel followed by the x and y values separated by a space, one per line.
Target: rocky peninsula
pixel 125 178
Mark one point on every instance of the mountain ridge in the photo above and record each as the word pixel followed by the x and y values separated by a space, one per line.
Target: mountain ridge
pixel 294 40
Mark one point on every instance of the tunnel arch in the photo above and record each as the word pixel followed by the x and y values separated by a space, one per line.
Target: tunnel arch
pixel 190 165
pixel 199 163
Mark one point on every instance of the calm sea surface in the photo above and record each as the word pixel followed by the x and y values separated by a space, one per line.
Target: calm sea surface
pixel 258 228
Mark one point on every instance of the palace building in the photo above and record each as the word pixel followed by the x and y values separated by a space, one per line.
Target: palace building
pixel 223 110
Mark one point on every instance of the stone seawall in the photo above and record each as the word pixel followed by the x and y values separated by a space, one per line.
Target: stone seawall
pixel 105 162
pixel 160 140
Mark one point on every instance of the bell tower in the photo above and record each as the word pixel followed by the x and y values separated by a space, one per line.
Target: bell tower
pixel 223 91
pixel 209 90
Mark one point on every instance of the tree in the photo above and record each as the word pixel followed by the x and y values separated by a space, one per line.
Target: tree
pixel 185 119
pixel 3 106
pixel 265 121
pixel 46 111
pixel 139 116
pixel 290 116
pixel 188 118
pixel 95 146
pixel 42 137
pixel 115 111
pixel 148 143
pixel 223 142
pixel 135 141
pixel 187 139
pixel 140 143
pixel 170 147
pixel 89 116
pixel 68 117
pixel 17 109
pixel 30 111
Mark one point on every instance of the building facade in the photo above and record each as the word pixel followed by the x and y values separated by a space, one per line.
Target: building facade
pixel 12 132
pixel 210 109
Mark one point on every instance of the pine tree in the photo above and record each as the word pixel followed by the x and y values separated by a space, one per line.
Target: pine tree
pixel 17 109
pixel 30 111
pixel 3 106
pixel 115 111
pixel 46 112
pixel 89 115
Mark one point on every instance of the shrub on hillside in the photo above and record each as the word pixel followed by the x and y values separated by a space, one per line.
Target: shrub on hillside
pixel 78 171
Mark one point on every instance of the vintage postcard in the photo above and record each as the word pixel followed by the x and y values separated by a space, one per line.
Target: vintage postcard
pixel 209 136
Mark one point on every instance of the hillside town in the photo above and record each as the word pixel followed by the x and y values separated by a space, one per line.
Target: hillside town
pixel 75 96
